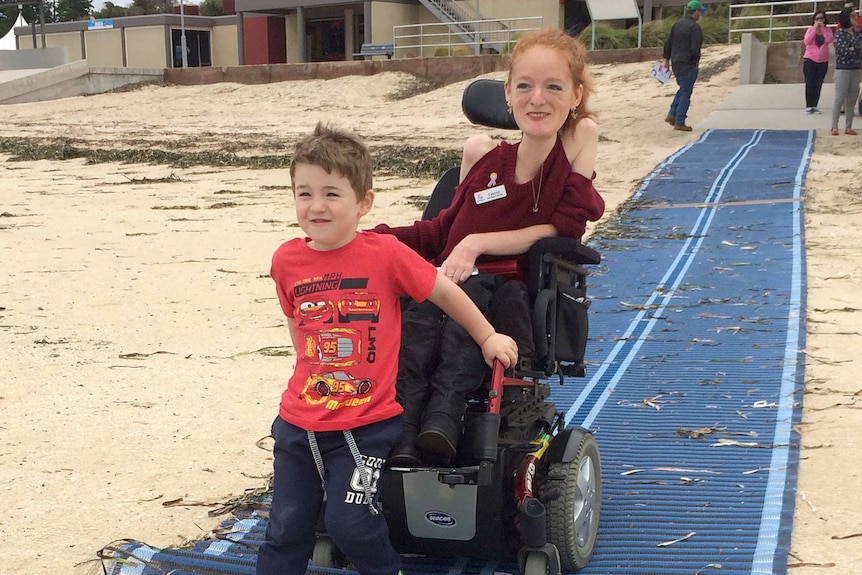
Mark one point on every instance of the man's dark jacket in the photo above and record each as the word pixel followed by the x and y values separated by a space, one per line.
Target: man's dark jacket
pixel 682 46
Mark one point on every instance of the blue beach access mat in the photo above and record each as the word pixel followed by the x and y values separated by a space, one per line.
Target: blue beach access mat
pixel 695 375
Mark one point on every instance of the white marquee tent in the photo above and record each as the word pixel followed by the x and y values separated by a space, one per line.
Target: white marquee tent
pixel 7 42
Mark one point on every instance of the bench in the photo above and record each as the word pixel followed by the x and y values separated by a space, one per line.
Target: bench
pixel 369 50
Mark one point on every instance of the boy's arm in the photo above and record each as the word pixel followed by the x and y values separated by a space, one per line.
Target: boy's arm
pixel 291 327
pixel 457 304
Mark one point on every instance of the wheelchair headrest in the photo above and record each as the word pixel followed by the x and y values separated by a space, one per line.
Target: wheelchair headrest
pixel 484 103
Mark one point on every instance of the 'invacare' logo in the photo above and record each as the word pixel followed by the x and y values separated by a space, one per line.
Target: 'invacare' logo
pixel 440 519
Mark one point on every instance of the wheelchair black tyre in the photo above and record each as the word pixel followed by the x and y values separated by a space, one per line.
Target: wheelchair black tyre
pixel 536 564
pixel 324 553
pixel 573 517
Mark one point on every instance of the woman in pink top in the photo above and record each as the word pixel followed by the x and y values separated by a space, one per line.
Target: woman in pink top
pixel 815 61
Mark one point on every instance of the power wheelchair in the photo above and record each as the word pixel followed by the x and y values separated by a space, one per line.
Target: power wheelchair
pixel 522 486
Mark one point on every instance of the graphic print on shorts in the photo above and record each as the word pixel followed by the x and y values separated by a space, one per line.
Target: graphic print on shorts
pixel 356 491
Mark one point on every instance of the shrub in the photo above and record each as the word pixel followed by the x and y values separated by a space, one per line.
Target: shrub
pixel 713 24
pixel 607 37
pixel 453 51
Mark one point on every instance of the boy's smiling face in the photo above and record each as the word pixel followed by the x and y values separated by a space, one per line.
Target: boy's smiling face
pixel 327 207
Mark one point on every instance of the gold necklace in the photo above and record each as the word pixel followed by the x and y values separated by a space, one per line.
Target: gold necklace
pixel 536 196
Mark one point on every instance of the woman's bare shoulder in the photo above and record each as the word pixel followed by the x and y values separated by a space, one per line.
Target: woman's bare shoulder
pixel 477 146
pixel 474 149
pixel 586 129
pixel 581 144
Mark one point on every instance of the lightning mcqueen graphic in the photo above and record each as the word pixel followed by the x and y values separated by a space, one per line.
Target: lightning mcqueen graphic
pixel 337 384
pixel 315 311
pixel 358 305
pixel 338 347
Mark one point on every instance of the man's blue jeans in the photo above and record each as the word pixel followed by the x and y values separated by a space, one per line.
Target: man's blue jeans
pixel 682 99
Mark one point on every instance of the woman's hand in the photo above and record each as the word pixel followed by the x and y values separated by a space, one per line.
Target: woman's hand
pixel 460 263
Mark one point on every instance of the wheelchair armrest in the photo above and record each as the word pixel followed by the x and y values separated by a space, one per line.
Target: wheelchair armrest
pixel 569 255
pixel 566 248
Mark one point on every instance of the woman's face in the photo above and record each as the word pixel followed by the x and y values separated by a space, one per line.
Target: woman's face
pixel 541 91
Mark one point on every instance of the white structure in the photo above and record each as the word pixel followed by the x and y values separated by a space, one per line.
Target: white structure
pixel 613 10
pixel 7 42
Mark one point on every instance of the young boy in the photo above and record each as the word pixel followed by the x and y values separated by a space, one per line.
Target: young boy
pixel 338 418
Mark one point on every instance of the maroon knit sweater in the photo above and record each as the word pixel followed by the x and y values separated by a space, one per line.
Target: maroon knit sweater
pixel 567 201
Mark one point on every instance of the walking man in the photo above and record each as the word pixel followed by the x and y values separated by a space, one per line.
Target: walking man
pixel 682 55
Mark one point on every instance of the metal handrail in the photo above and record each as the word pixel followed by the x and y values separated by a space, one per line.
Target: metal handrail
pixel 498 34
pixel 772 16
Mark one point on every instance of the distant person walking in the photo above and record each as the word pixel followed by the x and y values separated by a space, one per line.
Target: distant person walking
pixel 682 55
pixel 815 62
pixel 848 69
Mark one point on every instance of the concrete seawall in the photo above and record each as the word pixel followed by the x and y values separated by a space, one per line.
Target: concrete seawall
pixel 441 71
pixel 74 79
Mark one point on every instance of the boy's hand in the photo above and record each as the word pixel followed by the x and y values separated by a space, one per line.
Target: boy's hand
pixel 501 347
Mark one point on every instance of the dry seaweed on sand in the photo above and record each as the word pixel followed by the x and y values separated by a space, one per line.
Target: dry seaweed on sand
pixel 412 86
pixel 407 161
pixel 414 161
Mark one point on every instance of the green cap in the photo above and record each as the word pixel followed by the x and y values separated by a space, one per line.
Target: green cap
pixel 694 5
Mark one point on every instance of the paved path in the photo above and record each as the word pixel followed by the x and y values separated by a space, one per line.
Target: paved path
pixel 770 107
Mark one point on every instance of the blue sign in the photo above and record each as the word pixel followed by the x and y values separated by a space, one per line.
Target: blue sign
pixel 99 24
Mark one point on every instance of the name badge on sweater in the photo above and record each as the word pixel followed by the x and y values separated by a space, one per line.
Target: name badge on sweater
pixel 489 195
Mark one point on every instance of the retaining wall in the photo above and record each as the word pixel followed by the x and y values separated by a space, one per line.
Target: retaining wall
pixel 74 79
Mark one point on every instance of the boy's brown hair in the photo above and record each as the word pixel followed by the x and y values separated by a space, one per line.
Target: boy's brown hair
pixel 335 149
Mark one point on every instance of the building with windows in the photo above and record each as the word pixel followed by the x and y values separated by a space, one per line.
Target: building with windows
pixel 293 31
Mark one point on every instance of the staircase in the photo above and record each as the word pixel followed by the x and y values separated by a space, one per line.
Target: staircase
pixel 463 22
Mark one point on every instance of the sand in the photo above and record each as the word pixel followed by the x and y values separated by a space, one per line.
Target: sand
pixel 143 349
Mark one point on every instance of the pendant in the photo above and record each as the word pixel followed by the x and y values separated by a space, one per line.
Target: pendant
pixel 535 209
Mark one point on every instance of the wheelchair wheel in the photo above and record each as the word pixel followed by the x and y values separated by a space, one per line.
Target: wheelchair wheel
pixel 573 517
pixel 537 564
pixel 324 553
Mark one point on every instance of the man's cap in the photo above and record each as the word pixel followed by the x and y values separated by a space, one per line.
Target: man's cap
pixel 694 5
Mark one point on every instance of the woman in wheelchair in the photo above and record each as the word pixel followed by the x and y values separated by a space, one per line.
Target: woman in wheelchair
pixel 509 197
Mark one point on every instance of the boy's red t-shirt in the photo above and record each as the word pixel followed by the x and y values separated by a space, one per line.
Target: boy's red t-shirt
pixel 345 304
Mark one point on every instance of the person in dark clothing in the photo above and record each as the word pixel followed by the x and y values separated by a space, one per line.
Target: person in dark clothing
pixel 848 69
pixel 682 55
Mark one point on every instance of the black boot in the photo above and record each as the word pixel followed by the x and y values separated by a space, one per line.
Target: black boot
pixel 438 439
pixel 405 453
pixel 420 330
pixel 461 370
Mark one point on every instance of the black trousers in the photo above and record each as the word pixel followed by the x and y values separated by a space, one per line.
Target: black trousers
pixel 439 363
pixel 815 73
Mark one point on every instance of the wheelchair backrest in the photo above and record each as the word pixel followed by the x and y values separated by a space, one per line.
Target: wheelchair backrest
pixel 484 103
